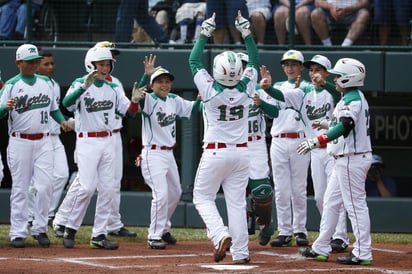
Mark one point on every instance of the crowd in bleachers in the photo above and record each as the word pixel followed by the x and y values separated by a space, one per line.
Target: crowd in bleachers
pixel 315 22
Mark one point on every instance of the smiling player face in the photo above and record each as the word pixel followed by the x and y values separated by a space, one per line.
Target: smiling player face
pixel 162 85
pixel 28 68
pixel 103 68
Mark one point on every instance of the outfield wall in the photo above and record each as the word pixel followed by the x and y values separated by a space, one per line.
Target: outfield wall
pixel 387 215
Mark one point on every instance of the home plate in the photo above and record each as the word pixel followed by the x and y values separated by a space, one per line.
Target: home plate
pixel 228 266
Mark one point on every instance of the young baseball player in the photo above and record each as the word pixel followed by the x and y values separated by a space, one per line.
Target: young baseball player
pixel 115 226
pixel 60 165
pixel 348 140
pixel 29 100
pixel 95 102
pixel 318 101
pixel 319 104
pixel 259 186
pixel 225 163
pixel 288 168
pixel 160 110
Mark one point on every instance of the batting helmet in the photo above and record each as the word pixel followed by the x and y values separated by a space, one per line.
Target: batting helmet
pixel 352 72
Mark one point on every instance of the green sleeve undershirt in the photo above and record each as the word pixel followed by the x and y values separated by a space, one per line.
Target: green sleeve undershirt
pixel 3 111
pixel 57 115
pixel 269 109
pixel 275 93
pixel 70 99
pixel 331 88
pixel 195 58
pixel 336 131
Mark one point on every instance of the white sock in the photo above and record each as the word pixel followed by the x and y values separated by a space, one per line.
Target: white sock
pixel 198 28
pixel 183 30
pixel 347 42
pixel 327 42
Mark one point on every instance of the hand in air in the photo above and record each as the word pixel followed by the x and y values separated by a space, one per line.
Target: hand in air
pixel 242 25
pixel 208 26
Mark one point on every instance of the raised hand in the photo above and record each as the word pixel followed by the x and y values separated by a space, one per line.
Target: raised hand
pixel 242 25
pixel 149 64
pixel 266 80
pixel 208 26
pixel 88 81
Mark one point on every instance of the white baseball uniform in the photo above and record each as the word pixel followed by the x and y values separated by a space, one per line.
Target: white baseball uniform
pixel 95 116
pixel 158 164
pixel 30 150
pixel 224 162
pixel 289 169
pixel 114 222
pixel 347 184
pixel 318 104
pixel 60 166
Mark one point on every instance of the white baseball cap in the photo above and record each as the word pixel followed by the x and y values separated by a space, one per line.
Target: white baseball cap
pixel 320 60
pixel 293 55
pixel 27 52
pixel 159 72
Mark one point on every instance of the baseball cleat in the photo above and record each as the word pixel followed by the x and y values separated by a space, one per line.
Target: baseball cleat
pixel 301 239
pixel 101 242
pixel 263 239
pixel 168 238
pixel 352 260
pixel 242 261
pixel 281 240
pixel 156 244
pixel 42 239
pixel 309 253
pixel 59 230
pixel 220 251
pixel 68 237
pixel 18 242
pixel 338 246
pixel 123 232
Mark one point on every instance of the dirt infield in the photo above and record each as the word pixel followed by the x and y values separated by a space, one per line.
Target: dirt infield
pixel 190 257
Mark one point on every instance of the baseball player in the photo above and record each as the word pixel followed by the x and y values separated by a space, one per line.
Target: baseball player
pixel 115 226
pixel 288 168
pixel 225 163
pixel 319 104
pixel 318 101
pixel 160 109
pixel 29 100
pixel 60 165
pixel 259 186
pixel 95 102
pixel 349 142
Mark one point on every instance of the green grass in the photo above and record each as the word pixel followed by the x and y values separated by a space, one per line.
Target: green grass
pixel 185 234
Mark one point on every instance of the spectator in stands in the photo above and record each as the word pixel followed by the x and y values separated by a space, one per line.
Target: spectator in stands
pixel 376 183
pixel 303 9
pixel 260 11
pixel 139 10
pixel 226 12
pixel 190 11
pixel 163 11
pixel 353 14
pixel 388 12
pixel 13 15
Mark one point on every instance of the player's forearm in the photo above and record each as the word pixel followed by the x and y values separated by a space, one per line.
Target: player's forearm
pixel 336 131
pixel 331 88
pixel 3 111
pixel 70 99
pixel 144 80
pixel 196 55
pixel 275 93
pixel 252 52
pixel 57 116
pixel 269 109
